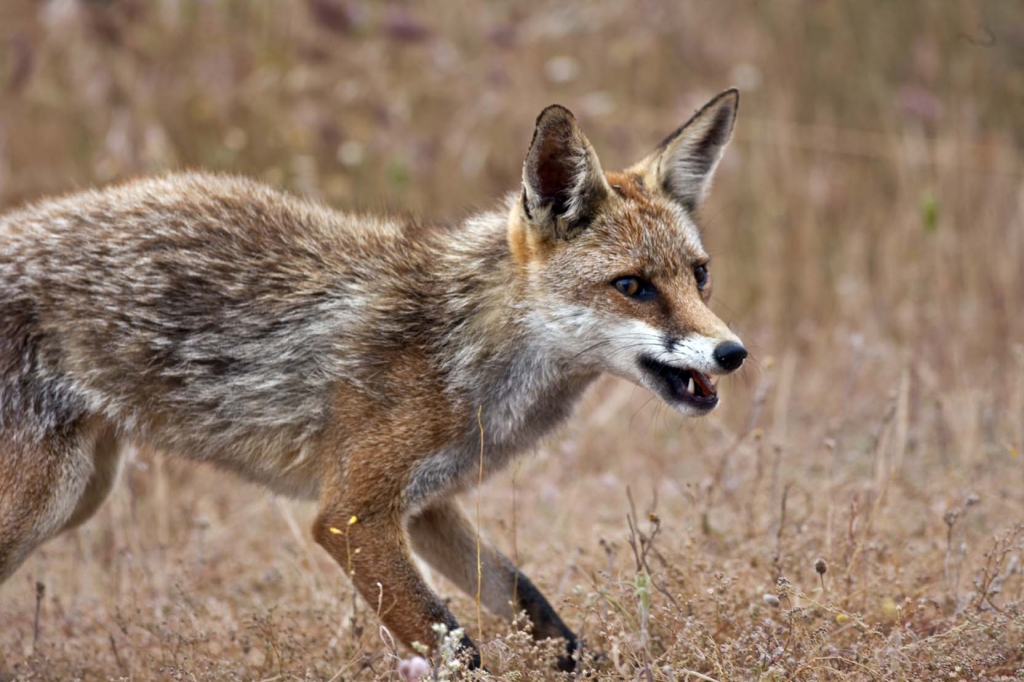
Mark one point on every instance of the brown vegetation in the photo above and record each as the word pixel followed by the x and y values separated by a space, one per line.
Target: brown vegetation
pixel 850 512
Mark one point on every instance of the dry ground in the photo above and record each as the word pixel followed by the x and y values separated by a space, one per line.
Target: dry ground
pixel 868 234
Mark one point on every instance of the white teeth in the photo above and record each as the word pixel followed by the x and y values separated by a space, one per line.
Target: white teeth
pixel 689 385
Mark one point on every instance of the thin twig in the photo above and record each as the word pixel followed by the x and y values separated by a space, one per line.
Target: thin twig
pixel 117 656
pixel 479 564
pixel 40 591
pixel 515 549
pixel 699 676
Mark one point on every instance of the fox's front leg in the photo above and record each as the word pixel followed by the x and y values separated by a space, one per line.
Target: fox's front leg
pixel 446 539
pixel 363 531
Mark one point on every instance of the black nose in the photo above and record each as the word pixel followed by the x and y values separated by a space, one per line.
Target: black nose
pixel 730 355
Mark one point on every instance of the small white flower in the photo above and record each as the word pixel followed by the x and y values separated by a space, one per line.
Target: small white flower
pixel 414 669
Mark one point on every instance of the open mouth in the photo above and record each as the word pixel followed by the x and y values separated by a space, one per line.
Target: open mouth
pixel 682 385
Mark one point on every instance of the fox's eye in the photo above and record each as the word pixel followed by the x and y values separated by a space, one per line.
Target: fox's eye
pixel 700 273
pixel 634 287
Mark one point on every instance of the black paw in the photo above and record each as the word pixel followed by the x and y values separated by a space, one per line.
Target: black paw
pixel 469 652
pixel 570 661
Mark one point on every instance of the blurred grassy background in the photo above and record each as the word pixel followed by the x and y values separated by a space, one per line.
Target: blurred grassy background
pixel 867 229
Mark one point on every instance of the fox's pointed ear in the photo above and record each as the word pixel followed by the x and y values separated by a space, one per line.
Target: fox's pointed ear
pixel 683 164
pixel 563 183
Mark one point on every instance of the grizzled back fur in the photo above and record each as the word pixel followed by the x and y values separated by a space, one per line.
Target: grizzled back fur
pixel 206 313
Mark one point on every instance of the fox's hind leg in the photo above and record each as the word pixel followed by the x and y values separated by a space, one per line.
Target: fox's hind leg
pixel 43 480
pixel 446 539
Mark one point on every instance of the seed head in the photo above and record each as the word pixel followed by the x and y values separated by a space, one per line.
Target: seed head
pixel 820 566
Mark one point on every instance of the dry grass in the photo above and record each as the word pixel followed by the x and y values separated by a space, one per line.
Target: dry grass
pixel 868 234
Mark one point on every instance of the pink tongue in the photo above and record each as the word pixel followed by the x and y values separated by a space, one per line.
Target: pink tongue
pixel 702 383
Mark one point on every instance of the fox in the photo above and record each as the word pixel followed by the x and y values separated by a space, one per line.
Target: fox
pixel 375 365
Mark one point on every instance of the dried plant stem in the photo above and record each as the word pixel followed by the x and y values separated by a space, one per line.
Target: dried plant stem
pixel 902 420
pixel 40 591
pixel 163 522
pixel 830 463
pixel 300 540
pixel 515 544
pixel 760 397
pixel 779 530
pixel 117 656
pixel 479 563
pixel 692 673
pixel 780 424
pixel 880 445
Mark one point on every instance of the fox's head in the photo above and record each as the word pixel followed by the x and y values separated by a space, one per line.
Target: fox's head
pixel 614 261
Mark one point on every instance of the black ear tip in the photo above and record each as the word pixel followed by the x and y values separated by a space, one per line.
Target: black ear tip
pixel 554 112
pixel 730 94
pixel 725 106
